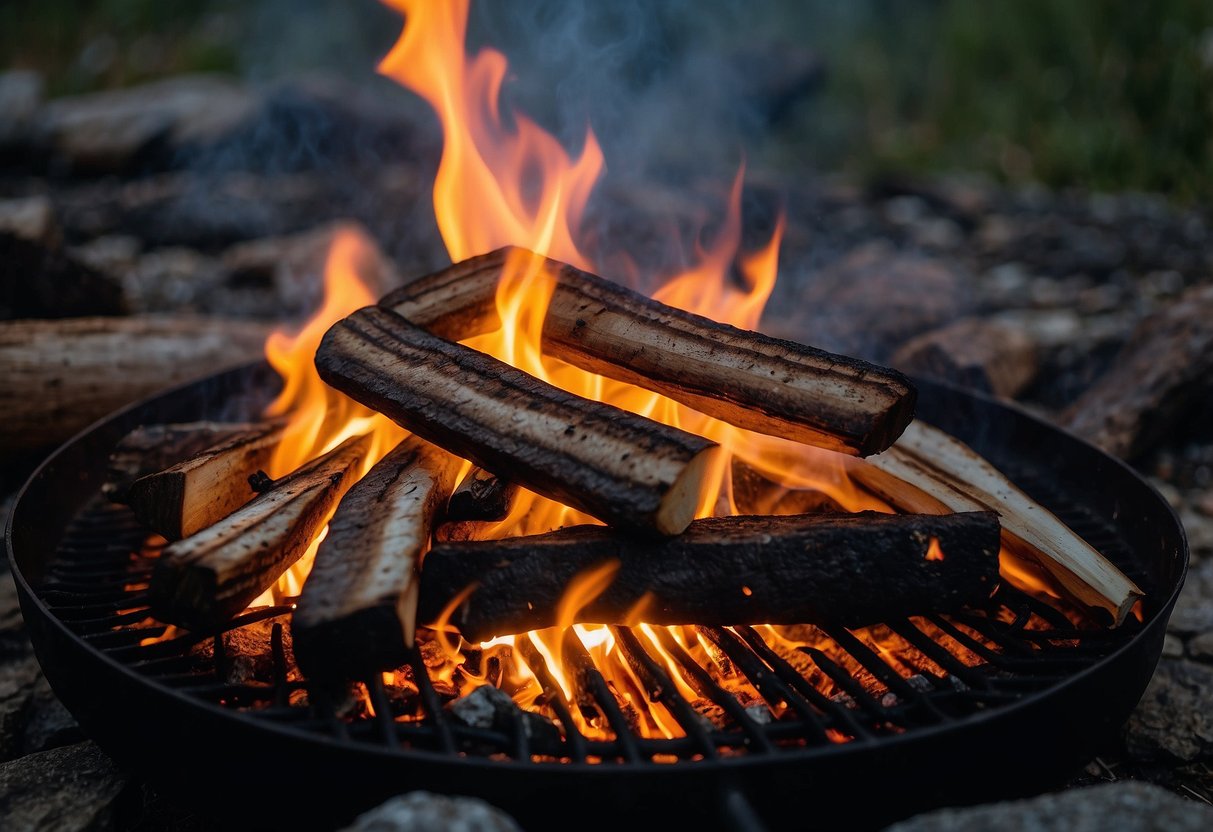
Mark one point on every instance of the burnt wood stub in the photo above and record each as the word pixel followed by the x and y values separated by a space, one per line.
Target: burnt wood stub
pixel 825 569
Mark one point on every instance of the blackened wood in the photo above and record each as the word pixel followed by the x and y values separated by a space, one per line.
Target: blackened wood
pixel 755 494
pixel 359 605
pixel 620 467
pixel 201 581
pixel 853 570
pixel 481 495
pixel 151 448
pixel 1162 376
pixel 196 492
pixel 745 378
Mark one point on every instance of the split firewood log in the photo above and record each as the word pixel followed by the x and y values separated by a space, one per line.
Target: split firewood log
pixel 358 609
pixel 743 378
pixel 152 448
pixel 851 569
pixel 203 580
pixel 482 496
pixel 620 467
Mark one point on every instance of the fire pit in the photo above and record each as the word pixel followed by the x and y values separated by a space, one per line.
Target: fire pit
pixel 993 701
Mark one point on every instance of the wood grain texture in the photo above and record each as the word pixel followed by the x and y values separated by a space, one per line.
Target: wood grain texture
pixel 201 581
pixel 151 448
pixel 620 467
pixel 358 609
pixel 744 378
pixel 842 569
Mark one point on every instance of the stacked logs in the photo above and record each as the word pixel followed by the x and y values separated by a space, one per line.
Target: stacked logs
pixel 368 592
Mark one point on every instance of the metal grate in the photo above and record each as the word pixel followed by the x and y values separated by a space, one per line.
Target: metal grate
pixel 96 584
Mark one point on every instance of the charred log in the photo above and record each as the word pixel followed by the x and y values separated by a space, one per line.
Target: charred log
pixel 743 378
pixel 191 495
pixel 482 495
pixel 151 448
pixel 847 569
pixel 203 580
pixel 358 608
pixel 622 468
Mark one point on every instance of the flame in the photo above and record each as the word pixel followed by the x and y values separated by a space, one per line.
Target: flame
pixel 503 180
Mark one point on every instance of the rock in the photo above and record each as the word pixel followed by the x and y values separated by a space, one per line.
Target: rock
pixel 875 299
pixel 31 218
pixel 17 679
pixel 427 812
pixel 1193 611
pixel 294 265
pixel 1174 720
pixel 20 97
pixel 1158 382
pixel 1125 806
pixel 115 255
pixel 41 282
pixel 1172 646
pixel 972 352
pixel 488 707
pixel 1201 646
pixel 12 625
pixel 48 724
pixel 107 131
pixel 71 789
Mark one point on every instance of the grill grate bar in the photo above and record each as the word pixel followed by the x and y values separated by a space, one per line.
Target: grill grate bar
pixel 592 680
pixel 574 739
pixel 430 702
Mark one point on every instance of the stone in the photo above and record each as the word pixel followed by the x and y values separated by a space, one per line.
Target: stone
pixel 107 131
pixel 973 352
pixel 1172 646
pixel 491 708
pixel 31 218
pixel 1125 806
pixel 17 679
pixel 1201 647
pixel 20 97
pixel 428 812
pixel 1193 611
pixel 294 265
pixel 874 299
pixel 1174 720
pixel 70 789
pixel 48 724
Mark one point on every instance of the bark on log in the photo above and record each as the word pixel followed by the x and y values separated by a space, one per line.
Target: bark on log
pixel 851 569
pixel 203 580
pixel 744 378
pixel 620 467
pixel 151 448
pixel 1162 376
pixel 481 495
pixel 929 471
pixel 755 494
pixel 983 355
pixel 359 605
pixel 60 376
pixel 191 495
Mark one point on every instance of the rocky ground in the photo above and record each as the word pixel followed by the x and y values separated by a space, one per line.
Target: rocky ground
pixel 204 196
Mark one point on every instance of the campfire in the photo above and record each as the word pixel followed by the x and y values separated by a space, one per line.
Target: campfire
pixel 537 476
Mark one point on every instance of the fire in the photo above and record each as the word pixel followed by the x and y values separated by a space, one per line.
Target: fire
pixel 505 181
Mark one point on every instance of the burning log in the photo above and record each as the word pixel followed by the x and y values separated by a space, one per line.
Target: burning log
pixel 622 468
pixel 932 472
pixel 191 495
pixel 852 569
pixel 151 448
pixel 203 580
pixel 60 376
pixel 755 494
pixel 358 607
pixel 744 378
pixel 482 495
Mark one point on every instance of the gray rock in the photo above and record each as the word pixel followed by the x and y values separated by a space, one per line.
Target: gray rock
pixel 20 97
pixel 1201 647
pixel 1172 646
pixel 105 131
pixel 48 724
pixel 1193 611
pixel 427 812
pixel 70 789
pixel 30 218
pixel 1125 806
pixel 17 679
pixel 1174 720
pixel 12 625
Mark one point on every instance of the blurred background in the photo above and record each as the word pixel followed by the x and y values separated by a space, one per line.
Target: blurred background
pixel 1111 95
